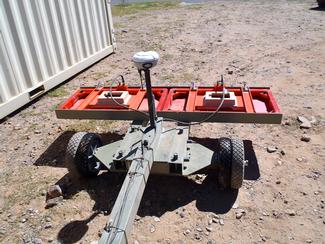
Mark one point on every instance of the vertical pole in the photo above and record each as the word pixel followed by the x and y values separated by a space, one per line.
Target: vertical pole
pixel 151 99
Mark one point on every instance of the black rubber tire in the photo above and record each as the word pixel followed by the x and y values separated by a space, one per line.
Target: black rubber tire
pixel 80 150
pixel 232 157
pixel 73 146
pixel 237 164
pixel 224 158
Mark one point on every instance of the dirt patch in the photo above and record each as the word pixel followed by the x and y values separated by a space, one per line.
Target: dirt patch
pixel 267 43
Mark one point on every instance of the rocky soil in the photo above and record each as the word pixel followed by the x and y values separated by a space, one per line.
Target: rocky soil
pixel 266 43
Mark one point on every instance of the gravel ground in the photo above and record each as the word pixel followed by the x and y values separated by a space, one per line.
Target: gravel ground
pixel 266 43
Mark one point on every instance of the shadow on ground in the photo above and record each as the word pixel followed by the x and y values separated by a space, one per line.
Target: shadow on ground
pixel 162 193
pixel 318 9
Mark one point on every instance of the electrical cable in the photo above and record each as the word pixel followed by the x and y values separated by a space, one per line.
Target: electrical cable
pixel 169 119
pixel 113 226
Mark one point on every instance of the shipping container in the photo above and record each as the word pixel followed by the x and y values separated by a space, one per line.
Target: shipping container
pixel 45 42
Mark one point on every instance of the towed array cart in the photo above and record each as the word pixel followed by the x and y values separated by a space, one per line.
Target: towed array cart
pixel 149 147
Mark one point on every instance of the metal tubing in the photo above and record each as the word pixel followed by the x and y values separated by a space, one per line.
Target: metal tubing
pixel 120 222
pixel 127 203
pixel 151 99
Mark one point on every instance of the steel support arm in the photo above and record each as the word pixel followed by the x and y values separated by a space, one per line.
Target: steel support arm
pixel 126 206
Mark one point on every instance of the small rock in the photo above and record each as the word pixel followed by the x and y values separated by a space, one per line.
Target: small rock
pixel 305 138
pixel 137 218
pixel 2 231
pixel 221 222
pixel 230 72
pixel 54 191
pixel 136 242
pixel 199 229
pixel 287 122
pixel 156 219
pixel 305 123
pixel 278 182
pixel 37 132
pixel 199 176
pixel 275 213
pixel 309 241
pixel 240 213
pixel 17 127
pixel 210 221
pixel 291 212
pixel 299 159
pixel 211 242
pixel 302 119
pixel 124 31
pixel 215 216
pixel 265 214
pixel 197 236
pixel 208 228
pixel 182 214
pixel 187 232
pixel 215 220
pixel 271 149
pixel 37 241
pixel 48 226
pixel 23 220
pixel 283 152
pixel 152 228
pixel 53 202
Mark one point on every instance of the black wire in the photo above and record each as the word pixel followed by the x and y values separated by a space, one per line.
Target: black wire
pixel 113 225
pixel 169 119
pixel 112 233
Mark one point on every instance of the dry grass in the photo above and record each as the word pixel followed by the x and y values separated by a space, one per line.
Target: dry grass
pixel 127 9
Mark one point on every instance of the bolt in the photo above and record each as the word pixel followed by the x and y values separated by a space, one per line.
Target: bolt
pixel 120 154
pixel 175 157
pixel 145 143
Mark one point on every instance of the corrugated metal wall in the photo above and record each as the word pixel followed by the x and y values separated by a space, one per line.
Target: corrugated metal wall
pixel 44 42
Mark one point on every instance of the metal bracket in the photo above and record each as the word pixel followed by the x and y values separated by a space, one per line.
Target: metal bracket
pixel 145 149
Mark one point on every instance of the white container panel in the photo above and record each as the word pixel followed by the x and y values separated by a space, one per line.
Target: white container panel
pixel 44 42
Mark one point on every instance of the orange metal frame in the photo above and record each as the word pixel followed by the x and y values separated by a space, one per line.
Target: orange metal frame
pixel 254 105
pixel 86 98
